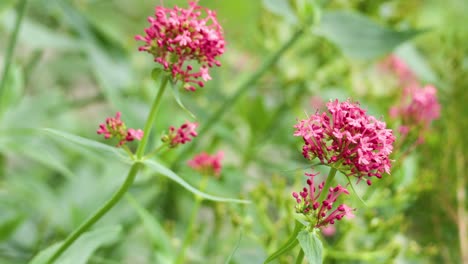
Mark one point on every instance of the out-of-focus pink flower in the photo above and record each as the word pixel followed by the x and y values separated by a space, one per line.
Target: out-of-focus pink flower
pixel 177 37
pixel 322 212
pixel 182 135
pixel 206 163
pixel 115 127
pixel 329 230
pixel 347 139
pixel 417 108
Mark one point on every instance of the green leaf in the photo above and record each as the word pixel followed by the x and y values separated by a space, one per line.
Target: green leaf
pixel 88 143
pixel 281 8
pixel 9 225
pixel 311 245
pixel 159 168
pixel 360 37
pixel 83 248
pixel 176 94
pixel 290 244
pixel 154 230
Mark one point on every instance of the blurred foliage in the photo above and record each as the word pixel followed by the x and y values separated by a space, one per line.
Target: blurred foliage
pixel 76 62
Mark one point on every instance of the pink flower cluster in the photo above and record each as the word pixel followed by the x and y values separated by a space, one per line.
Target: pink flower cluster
pixel 115 127
pixel 321 211
pixel 206 163
pixel 182 135
pixel 419 107
pixel 178 36
pixel 347 139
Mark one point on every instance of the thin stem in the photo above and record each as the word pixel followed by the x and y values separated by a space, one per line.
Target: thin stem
pixel 155 151
pixel 151 117
pixel 193 218
pixel 99 213
pixel 300 256
pixel 11 46
pixel 328 182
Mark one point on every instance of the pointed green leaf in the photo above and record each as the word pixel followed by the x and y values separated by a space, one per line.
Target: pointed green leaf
pixel 311 245
pixel 290 244
pixel 159 168
pixel 87 143
pixel 83 248
pixel 360 37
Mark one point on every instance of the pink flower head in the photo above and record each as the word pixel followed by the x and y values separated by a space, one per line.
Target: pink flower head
pixel 176 37
pixel 115 127
pixel 206 163
pixel 321 212
pixel 420 108
pixel 347 139
pixel 182 135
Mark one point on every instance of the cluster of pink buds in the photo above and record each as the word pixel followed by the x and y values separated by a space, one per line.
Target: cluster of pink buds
pixel 177 37
pixel 347 139
pixel 182 135
pixel 205 163
pixel 321 213
pixel 114 127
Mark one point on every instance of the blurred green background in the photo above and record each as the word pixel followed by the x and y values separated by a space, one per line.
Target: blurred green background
pixel 76 62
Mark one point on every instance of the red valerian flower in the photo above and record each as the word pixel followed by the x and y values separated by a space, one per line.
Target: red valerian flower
pixel 321 213
pixel 206 163
pixel 178 37
pixel 115 127
pixel 348 139
pixel 417 109
pixel 185 133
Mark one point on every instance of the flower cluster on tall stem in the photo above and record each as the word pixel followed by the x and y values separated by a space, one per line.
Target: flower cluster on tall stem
pixel 178 37
pixel 321 213
pixel 348 139
pixel 114 127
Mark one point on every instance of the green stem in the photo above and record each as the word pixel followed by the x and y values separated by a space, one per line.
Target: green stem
pixel 98 214
pixel 331 176
pixel 152 116
pixel 244 87
pixel 300 256
pixel 11 46
pixel 156 150
pixel 193 218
